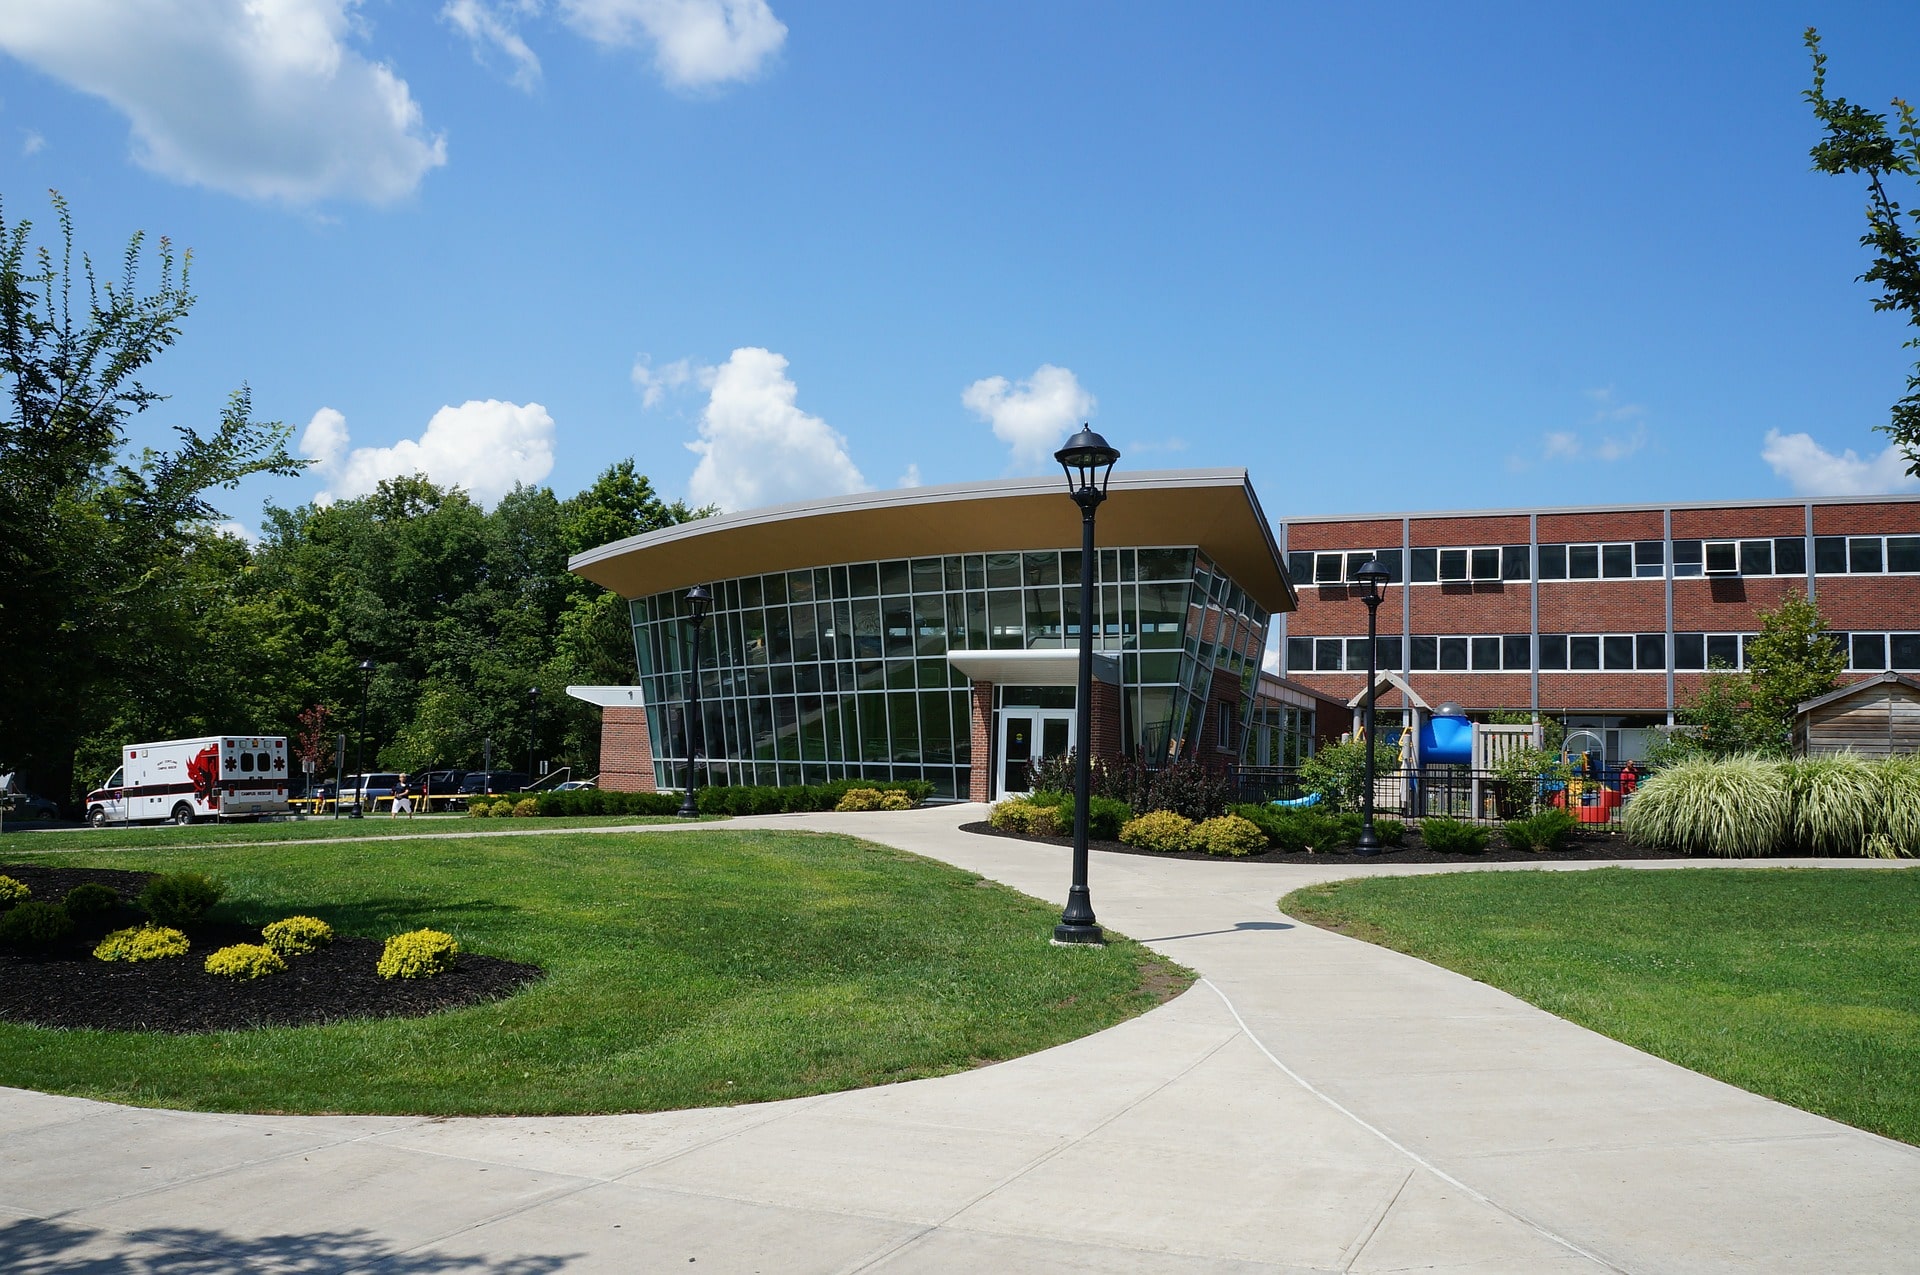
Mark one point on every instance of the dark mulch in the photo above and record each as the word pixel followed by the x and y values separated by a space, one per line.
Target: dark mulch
pixel 69 988
pixel 1583 847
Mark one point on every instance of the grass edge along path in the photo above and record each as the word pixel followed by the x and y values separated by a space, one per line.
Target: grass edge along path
pixel 38 842
pixel 700 968
pixel 1799 984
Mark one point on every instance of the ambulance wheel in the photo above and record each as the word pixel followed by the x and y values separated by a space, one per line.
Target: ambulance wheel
pixel 183 814
pixel 97 816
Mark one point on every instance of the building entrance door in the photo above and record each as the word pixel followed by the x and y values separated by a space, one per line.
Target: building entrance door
pixel 1026 736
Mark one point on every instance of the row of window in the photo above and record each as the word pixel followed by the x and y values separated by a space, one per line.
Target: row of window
pixel 1618 560
pixel 1579 652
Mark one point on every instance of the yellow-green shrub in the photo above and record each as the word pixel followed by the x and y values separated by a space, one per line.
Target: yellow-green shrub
pixel 1229 835
pixel 860 799
pixel 142 943
pixel 1161 830
pixel 1016 814
pixel 525 808
pixel 245 961
pixel 297 935
pixel 12 892
pixel 417 954
pixel 895 800
pixel 479 810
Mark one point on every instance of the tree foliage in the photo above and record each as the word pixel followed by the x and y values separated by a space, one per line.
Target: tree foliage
pixel 1791 660
pixel 1858 141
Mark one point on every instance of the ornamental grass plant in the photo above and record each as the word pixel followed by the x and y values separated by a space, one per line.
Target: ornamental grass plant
pixel 1836 803
pixel 1899 802
pixel 1735 807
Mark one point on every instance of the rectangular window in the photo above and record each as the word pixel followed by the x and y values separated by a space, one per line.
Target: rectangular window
pixel 1617 652
pixel 1689 650
pixel 1453 564
pixel 1299 654
pixel 1300 568
pixel 1905 652
pixel 1329 568
pixel 1687 558
pixel 1903 553
pixel 1390 559
pixel 1650 651
pixel 1583 653
pixel 1390 652
pixel 1723 650
pixel 1583 562
pixel 1870 652
pixel 1326 655
pixel 1616 561
pixel 1357 560
pixel 1484 564
pixel 1513 562
pixel 1357 654
pixel 928 575
pixel 1223 732
pixel 1486 654
pixel 895 578
pixel 1553 651
pixel 1723 558
pixel 1453 653
pixel 1863 554
pixel 1553 562
pixel 1425 654
pixel 1790 555
pixel 1649 558
pixel 1830 555
pixel 1514 655
pixel 1756 557
pixel 1426 566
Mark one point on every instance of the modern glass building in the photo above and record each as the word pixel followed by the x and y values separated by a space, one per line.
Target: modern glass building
pixel 933 633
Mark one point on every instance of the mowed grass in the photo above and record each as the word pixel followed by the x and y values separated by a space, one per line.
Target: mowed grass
pixel 31 839
pixel 683 969
pixel 1800 984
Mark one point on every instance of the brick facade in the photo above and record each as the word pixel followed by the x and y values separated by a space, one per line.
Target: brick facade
pixel 626 751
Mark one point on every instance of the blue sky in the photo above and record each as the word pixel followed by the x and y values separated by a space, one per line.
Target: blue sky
pixel 1385 256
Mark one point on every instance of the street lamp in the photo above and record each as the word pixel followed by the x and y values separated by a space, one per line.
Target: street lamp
pixel 1373 574
pixel 360 752
pixel 698 602
pixel 533 729
pixel 1087 460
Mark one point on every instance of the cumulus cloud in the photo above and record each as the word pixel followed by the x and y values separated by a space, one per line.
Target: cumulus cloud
pixel 256 98
pixel 911 478
pixel 494 28
pixel 31 143
pixel 1812 470
pixel 484 447
pixel 756 447
pixel 655 383
pixel 696 43
pixel 1033 417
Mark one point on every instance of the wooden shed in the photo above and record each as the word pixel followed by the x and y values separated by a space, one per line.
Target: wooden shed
pixel 1873 718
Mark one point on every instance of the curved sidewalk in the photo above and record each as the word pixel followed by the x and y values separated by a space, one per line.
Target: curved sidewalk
pixel 1314 1104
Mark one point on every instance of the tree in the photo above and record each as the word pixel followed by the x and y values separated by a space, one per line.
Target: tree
pixel 1857 141
pixel 96 549
pixel 1791 660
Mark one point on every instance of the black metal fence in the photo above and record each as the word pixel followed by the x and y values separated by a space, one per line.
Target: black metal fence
pixel 1480 796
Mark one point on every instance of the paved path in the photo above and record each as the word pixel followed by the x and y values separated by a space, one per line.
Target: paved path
pixel 1314 1104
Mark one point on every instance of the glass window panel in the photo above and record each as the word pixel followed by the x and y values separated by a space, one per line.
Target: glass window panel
pixel 977 622
pixel 1357 560
pixel 1650 651
pixel 1723 650
pixel 1689 650
pixel 1165 666
pixel 1166 564
pixel 1425 566
pixel 1453 564
pixel 895 577
pixel 750 591
pixel 1649 558
pixel 1870 652
pixel 1484 564
pixel 1006 618
pixel 1329 568
pixel 1425 653
pixel 1863 554
pixel 1043 567
pixel 1453 653
pixel 1617 652
pixel 1163 614
pixel 1515 654
pixel 1390 559
pixel 1830 555
pixel 930 625
pixel 1553 651
pixel 900 675
pixel 799 586
pixel 926 575
pixel 1357 654
pixel 1905 652
pixel 1043 616
pixel 1903 553
pixel 1583 562
pixel 1756 557
pixel 841 589
pixel 936 727
pixel 1300 568
pixel 1583 653
pixel 897 623
pixel 866 629
pixel 1553 562
pixel 1616 561
pixel 1003 570
pixel 864 580
pixel 775 588
pixel 1513 562
pixel 1688 555
pixel 1389 652
pixel 804 637
pixel 1299 654
pixel 1790 555
pixel 1486 654
pixel 1326 655
pixel 1723 557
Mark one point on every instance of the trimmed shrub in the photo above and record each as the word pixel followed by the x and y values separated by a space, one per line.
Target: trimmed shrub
pixel 1299 830
pixel 180 898
pixel 1542 832
pixel 525 808
pixel 1105 815
pixel 1899 779
pixel 297 935
pixel 12 892
pixel 34 926
pixel 417 954
pixel 1162 830
pixel 895 801
pixel 479 810
pixel 860 799
pixel 1836 803
pixel 90 902
pixel 1229 835
pixel 1018 814
pixel 1453 836
pixel 245 961
pixel 142 943
pixel 1735 807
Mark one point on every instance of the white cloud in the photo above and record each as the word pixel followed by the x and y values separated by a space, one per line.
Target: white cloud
pixel 1612 432
pixel 31 143
pixel 262 98
pixel 911 478
pixel 493 27
pixel 1812 470
pixel 238 530
pixel 484 447
pixel 756 447
pixel 654 384
pixel 696 43
pixel 1034 417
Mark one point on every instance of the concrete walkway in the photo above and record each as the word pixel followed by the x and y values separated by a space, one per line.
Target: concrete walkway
pixel 1314 1104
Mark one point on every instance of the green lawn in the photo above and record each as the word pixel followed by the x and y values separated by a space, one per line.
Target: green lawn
pixel 684 969
pixel 1801 984
pixel 34 840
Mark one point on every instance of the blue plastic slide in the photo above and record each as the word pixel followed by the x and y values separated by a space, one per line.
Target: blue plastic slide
pixel 1311 799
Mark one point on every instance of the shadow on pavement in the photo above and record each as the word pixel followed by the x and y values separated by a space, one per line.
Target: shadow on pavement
pixel 1237 928
pixel 37 1246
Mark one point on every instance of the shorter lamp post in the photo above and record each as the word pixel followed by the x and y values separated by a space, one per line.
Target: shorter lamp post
pixel 698 602
pixel 1088 461
pixel 360 751
pixel 1373 574
pixel 533 727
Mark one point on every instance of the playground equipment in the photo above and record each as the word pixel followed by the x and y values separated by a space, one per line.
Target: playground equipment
pixel 1586 796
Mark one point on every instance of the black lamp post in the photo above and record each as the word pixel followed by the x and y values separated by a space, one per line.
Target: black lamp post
pixel 699 602
pixel 1372 575
pixel 1088 462
pixel 360 752
pixel 533 726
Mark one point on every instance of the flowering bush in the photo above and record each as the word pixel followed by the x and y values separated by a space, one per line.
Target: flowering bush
pixel 12 892
pixel 245 961
pixel 298 935
pixel 1229 835
pixel 417 954
pixel 142 943
pixel 1161 830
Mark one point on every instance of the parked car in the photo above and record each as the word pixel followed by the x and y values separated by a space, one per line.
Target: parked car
pixel 487 783
pixel 368 790
pixel 18 803
pixel 573 785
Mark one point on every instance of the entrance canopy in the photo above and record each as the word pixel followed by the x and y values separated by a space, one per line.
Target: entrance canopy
pixel 1055 667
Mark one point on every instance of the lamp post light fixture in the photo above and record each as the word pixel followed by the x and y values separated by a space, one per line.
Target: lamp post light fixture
pixel 698 603
pixel 360 752
pixel 533 727
pixel 1373 575
pixel 1087 460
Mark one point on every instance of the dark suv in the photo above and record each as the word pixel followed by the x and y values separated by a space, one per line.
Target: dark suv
pixel 488 782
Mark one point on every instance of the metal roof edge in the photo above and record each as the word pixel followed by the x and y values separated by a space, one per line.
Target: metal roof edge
pixel 1769 502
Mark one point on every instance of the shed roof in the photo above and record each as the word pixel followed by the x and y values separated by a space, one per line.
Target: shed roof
pixel 1871 683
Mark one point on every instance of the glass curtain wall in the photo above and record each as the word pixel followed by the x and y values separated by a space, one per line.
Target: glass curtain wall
pixel 841 672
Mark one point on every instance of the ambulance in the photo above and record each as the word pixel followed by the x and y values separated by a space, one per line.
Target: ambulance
pixel 183 780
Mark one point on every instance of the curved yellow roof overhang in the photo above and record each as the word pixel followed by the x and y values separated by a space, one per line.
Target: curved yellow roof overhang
pixel 1212 508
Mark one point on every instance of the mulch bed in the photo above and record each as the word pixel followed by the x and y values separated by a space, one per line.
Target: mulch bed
pixel 1582 847
pixel 69 988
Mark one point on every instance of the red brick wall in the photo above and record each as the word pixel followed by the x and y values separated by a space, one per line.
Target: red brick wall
pixel 1603 606
pixel 626 752
pixel 1510 529
pixel 980 772
pixel 1634 692
pixel 1467 608
pixel 1626 524
pixel 1733 523
pixel 1869 602
pixel 1895 518
pixel 1375 533
pixel 1105 725
pixel 1731 605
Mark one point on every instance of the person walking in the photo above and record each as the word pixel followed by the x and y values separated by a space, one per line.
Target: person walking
pixel 403 796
